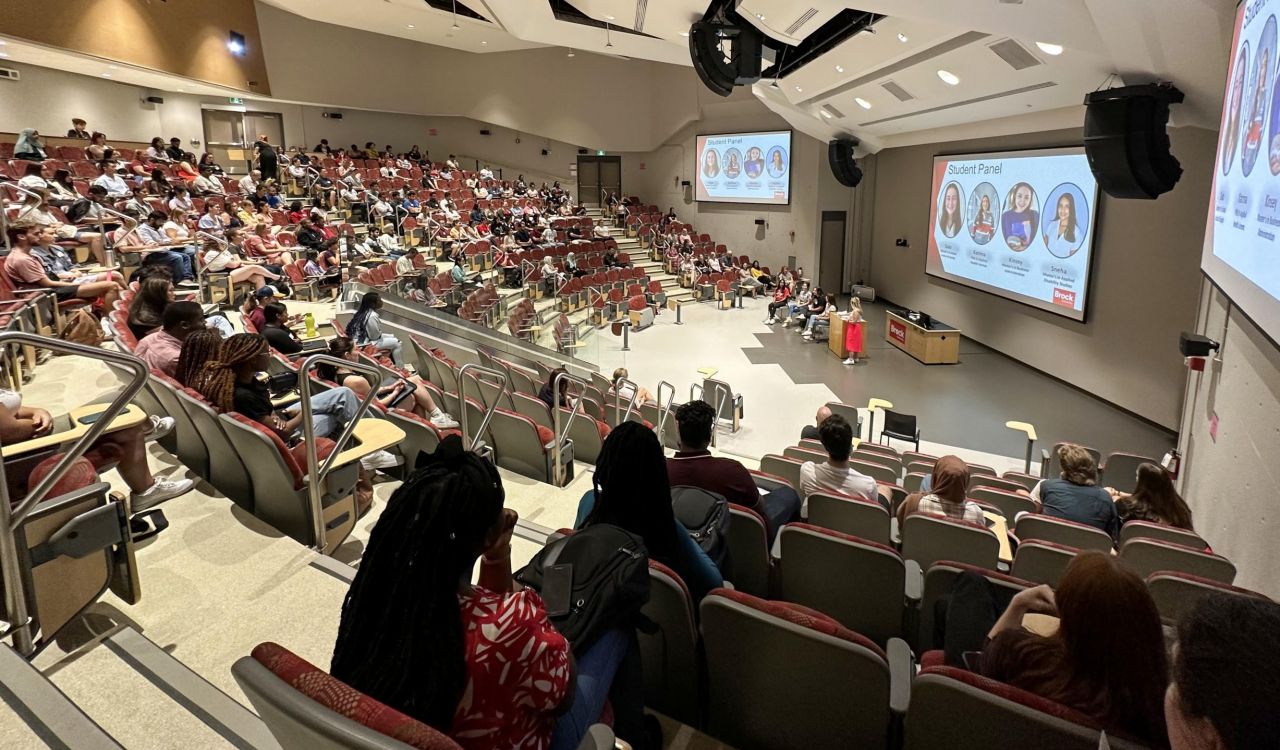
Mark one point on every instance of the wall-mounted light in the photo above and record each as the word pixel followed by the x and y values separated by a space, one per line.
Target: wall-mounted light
pixel 236 44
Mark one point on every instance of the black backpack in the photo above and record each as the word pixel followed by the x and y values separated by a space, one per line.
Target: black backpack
pixel 610 581
pixel 706 515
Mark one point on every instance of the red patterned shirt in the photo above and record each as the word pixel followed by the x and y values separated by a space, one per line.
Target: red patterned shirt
pixel 518 670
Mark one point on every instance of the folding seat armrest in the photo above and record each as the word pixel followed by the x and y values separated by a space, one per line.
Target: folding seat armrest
pixel 902 669
pixel 914 586
pixel 373 435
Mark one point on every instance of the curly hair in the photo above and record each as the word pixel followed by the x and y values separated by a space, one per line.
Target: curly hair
pixel 197 350
pixel 218 385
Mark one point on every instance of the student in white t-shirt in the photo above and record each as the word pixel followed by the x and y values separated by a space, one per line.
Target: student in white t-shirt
pixel 835 475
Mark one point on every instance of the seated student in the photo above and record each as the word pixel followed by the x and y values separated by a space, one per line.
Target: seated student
pixel 388 243
pixel 492 671
pixel 810 431
pixel 1075 496
pixel 308 236
pixel 817 305
pixel 199 348
pixel 126 448
pixel 156 247
pixel 551 276
pixel 394 392
pixel 260 244
pixel 625 392
pixel 146 311
pixel 406 264
pixel 1154 499
pixel 35 210
pixel 946 496
pixel 218 258
pixel 26 271
pixel 458 274
pixel 326 279
pixel 1224 689
pixel 819 321
pixel 275 329
pixel 835 474
pixel 694 465
pixel 420 291
pixel 630 489
pixel 162 348
pixel 780 297
pixel 1106 660
pixel 365 327
pixel 562 398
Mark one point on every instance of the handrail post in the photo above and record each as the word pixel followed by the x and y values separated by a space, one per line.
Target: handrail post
pixel 721 394
pixel 202 267
pixel 129 221
pixel 663 413
pixel 11 518
pixel 316 471
pixel 617 402
pixel 462 399
pixel 562 434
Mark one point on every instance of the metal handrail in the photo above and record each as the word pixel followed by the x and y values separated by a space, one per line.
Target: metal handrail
pixel 128 220
pixel 316 472
pixel 15 605
pixel 617 402
pixel 664 412
pixel 562 434
pixel 721 394
pixel 462 400
pixel 4 209
pixel 202 270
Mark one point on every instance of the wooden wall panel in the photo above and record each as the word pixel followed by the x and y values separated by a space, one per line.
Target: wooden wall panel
pixel 183 37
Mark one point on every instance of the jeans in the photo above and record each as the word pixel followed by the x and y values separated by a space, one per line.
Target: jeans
pixel 596 669
pixel 330 411
pixel 392 346
pixel 814 322
pixel 179 263
pixel 779 507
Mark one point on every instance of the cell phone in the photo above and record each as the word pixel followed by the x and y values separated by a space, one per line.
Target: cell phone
pixel 89 418
pixel 557 589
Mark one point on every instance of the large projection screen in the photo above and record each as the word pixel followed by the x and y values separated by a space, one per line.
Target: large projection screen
pixel 744 168
pixel 1018 224
pixel 1242 235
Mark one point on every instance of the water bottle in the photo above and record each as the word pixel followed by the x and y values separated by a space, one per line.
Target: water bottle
pixel 310 322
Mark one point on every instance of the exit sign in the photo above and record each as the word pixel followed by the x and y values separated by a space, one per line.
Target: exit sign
pixel 600 153
pixel 236 100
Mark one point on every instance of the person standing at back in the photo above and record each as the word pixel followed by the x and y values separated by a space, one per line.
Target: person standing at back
pixel 1076 496
pixel 835 474
pixel 694 466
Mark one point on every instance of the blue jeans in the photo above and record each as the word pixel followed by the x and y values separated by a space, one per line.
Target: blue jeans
pixel 596 669
pixel 392 346
pixel 330 411
pixel 179 263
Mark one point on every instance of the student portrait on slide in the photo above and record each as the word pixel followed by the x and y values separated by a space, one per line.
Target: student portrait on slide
pixel 1066 221
pixel 777 162
pixel 732 164
pixel 950 215
pixel 1231 133
pixel 755 162
pixel 1259 87
pixel 982 218
pixel 711 164
pixel 1021 217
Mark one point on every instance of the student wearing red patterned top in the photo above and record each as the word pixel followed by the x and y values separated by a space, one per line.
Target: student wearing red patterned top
pixel 483 662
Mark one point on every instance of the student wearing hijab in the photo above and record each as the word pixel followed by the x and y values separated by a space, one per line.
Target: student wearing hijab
pixel 28 146
pixel 946 496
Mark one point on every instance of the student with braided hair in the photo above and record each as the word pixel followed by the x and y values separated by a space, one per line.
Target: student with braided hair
pixel 481 662
pixel 197 350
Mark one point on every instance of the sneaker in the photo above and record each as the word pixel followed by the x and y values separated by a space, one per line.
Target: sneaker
pixel 443 421
pixel 162 490
pixel 379 460
pixel 188 284
pixel 160 426
pixel 107 330
pixel 786 323
pixel 806 335
pixel 851 361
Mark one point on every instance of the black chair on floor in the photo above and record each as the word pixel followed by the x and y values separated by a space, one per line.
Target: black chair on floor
pixel 900 427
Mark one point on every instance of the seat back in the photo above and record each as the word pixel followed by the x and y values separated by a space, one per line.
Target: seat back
pixel 827 686
pixel 848 515
pixel 1176 593
pixel 877 471
pixel 1146 556
pixel 899 424
pixel 1028 481
pixel 817 570
pixel 861 453
pixel 1010 504
pixel 748 542
pixel 1054 467
pixel 803 454
pixel 729 406
pixel 191 448
pixel 939 579
pixel 586 434
pixel 850 414
pixel 519 446
pixel 670 655
pixel 1062 531
pixel 913 481
pixel 1133 529
pixel 928 539
pixel 304 707
pixel 961 710
pixel 226 472
pixel 1042 562
pixel 996 483
pixel 1120 470
pixel 420 436
pixel 787 468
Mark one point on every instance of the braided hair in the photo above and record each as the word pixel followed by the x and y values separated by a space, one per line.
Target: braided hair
pixel 197 349
pixel 218 385
pixel 632 489
pixel 401 636
pixel 356 328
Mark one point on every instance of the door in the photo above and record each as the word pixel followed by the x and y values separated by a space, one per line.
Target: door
pixel 224 138
pixel 831 252
pixel 598 176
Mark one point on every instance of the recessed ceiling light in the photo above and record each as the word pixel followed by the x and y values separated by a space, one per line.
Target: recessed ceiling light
pixel 761 17
pixel 181 90
pixel 839 68
pixel 3 42
pixel 826 114
pixel 799 89
pixel 570 53
pixel 609 17
pixel 902 38
pixel 862 102
pixel 4 54
pixel 411 26
pixel 106 75
pixel 114 67
pixel 1050 49
pixel 684 33
pixel 948 77
pixel 483 41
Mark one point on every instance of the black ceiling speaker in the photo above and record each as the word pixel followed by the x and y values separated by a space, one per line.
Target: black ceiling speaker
pixel 719 70
pixel 843 165
pixel 1127 141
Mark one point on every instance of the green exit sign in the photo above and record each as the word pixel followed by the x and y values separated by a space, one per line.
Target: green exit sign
pixel 236 100
pixel 600 153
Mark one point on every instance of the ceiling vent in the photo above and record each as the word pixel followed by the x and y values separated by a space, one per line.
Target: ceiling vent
pixel 804 18
pixel 902 94
pixel 833 111
pixel 1015 54
pixel 9 74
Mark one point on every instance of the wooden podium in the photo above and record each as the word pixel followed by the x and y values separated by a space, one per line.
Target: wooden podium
pixel 932 346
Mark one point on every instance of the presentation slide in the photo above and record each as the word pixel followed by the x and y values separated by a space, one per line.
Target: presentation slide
pixel 1242 236
pixel 1019 224
pixel 744 168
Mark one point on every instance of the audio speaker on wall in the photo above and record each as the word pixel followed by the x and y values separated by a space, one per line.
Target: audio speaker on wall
pixel 718 70
pixel 843 165
pixel 1126 140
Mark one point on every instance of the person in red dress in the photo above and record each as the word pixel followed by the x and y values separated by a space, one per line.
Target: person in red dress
pixel 853 332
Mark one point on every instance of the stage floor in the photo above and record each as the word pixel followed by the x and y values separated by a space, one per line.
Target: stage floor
pixel 785 379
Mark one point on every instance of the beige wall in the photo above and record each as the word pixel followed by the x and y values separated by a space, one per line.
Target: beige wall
pixel 1230 480
pixel 184 38
pixel 1144 281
